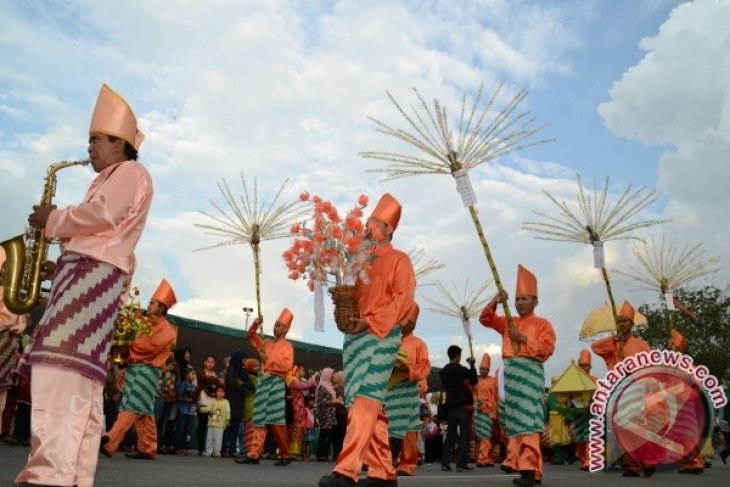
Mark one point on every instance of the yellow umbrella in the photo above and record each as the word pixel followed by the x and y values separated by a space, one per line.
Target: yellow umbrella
pixel 600 322
pixel 573 379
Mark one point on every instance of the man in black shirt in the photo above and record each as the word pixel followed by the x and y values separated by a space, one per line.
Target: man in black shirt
pixel 460 404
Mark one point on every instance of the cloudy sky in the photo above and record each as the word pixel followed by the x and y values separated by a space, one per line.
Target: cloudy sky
pixel 280 89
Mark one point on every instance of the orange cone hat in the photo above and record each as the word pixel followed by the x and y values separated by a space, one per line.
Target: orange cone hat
pixel 285 318
pixel 526 282
pixel 113 116
pixel 486 362
pixel 585 357
pixel 677 341
pixel 388 211
pixel 627 311
pixel 165 294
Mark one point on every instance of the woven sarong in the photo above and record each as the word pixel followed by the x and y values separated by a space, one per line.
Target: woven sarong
pixel 269 404
pixel 580 425
pixel 77 327
pixel 368 363
pixel 8 358
pixel 483 425
pixel 524 382
pixel 402 405
pixel 140 386
pixel 500 414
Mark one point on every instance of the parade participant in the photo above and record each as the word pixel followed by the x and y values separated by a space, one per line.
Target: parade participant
pixel 402 401
pixel 370 349
pixel 147 355
pixel 557 423
pixel 11 327
pixel 579 417
pixel 486 412
pixel 269 406
pixel 693 464
pixel 67 356
pixel 524 376
pixel 458 381
pixel 608 350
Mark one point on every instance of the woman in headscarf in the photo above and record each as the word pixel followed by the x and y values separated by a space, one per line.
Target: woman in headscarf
pixel 237 382
pixel 323 397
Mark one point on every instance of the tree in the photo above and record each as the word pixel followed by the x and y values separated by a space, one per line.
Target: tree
pixel 707 334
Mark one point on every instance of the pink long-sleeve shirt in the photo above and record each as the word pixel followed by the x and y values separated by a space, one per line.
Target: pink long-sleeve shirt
pixel 107 225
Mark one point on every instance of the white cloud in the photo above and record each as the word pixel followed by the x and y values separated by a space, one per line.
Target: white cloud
pixel 662 101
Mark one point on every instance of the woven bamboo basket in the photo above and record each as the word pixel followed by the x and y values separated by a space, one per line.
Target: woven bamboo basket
pixel 343 297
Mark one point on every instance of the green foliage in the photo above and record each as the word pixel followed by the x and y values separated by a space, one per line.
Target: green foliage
pixel 708 335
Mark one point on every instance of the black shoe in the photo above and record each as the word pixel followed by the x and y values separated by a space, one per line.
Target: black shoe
pixel 724 454
pixel 649 471
pixel 446 468
pixel 282 462
pixel 247 461
pixel 402 473
pixel 139 456
pixel 630 473
pixel 373 482
pixel 464 468
pixel 585 469
pixel 693 471
pixel 336 480
pixel 506 469
pixel 104 440
pixel 527 479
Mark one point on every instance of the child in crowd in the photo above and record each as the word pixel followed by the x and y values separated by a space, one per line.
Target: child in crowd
pixel 308 427
pixel 185 411
pixel 219 417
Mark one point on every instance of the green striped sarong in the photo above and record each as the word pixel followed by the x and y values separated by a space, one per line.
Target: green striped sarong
pixel 269 404
pixel 483 425
pixel 524 382
pixel 580 425
pixel 402 405
pixel 140 386
pixel 368 363
pixel 500 414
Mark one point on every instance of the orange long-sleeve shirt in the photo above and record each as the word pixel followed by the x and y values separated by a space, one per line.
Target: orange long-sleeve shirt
pixel 156 348
pixel 419 364
pixel 279 353
pixel 486 395
pixel 607 349
pixel 385 300
pixel 539 332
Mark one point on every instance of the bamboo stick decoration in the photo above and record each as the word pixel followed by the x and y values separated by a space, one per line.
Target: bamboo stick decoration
pixel 598 220
pixel 483 135
pixel 665 268
pixel 463 305
pixel 247 222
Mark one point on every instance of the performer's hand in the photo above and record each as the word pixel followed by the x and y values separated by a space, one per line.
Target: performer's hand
pixel 40 215
pixel 471 360
pixel 517 336
pixel 257 322
pixel 264 357
pixel 49 270
pixel 358 325
pixel 499 298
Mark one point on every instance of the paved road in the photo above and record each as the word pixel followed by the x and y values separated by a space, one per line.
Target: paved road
pixel 175 471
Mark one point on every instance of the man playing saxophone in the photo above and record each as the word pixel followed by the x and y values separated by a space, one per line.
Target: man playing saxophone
pixel 70 346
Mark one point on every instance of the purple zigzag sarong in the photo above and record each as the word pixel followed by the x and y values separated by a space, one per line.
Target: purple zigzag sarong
pixel 78 325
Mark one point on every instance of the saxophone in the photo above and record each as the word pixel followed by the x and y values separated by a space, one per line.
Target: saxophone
pixel 24 262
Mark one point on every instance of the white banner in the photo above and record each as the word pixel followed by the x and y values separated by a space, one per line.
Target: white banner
pixel 599 258
pixel 318 306
pixel 464 187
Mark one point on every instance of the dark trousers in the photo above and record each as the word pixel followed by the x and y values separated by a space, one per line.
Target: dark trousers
pixel 324 443
pixel 163 415
pixel 202 431
pixel 183 423
pixel 459 424
pixel 22 422
pixel 230 436
pixel 338 434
